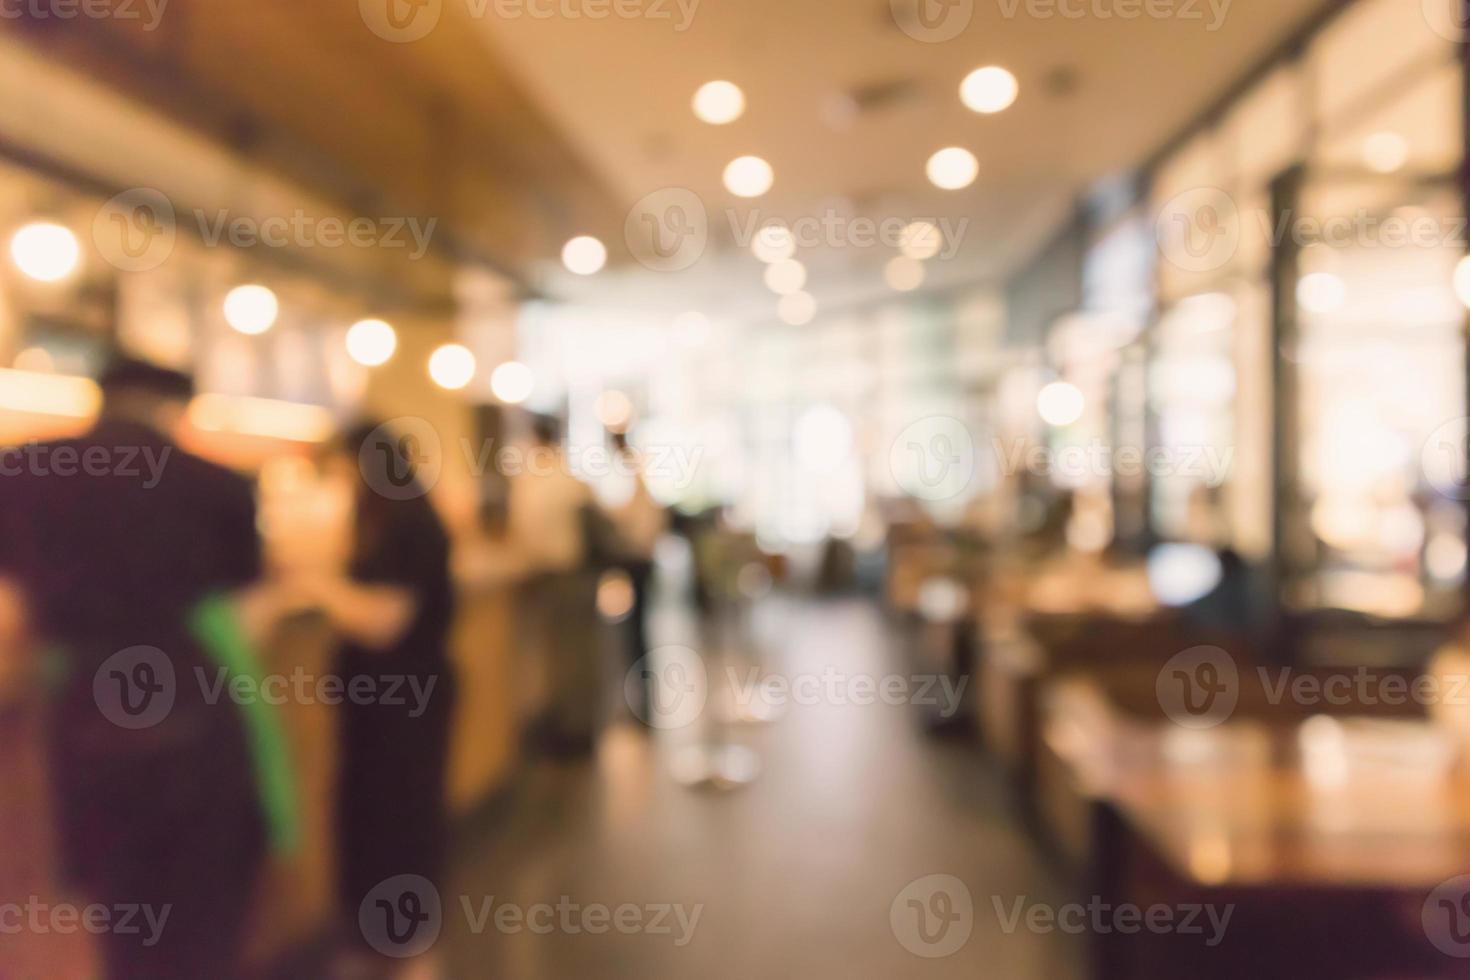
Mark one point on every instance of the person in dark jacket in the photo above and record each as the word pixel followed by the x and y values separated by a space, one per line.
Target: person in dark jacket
pixel 112 540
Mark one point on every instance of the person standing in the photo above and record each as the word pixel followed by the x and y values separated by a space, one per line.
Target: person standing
pixel 394 607
pixel 639 522
pixel 549 510
pixel 113 540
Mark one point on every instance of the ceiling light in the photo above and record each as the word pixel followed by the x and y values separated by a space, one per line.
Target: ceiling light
pixel 371 342
pixel 903 273
pixel 920 240
pixel 512 382
pixel 749 177
pixel 1060 403
pixel 1385 152
pixel 251 309
pixel 452 366
pixel 584 255
pixel 797 309
pixel 786 276
pixel 953 168
pixel 990 89
pixel 718 103
pixel 45 251
pixel 773 243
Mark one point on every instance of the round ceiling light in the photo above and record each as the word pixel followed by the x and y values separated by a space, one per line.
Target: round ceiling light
pixel 749 177
pixel 989 90
pixel 719 103
pixel 953 168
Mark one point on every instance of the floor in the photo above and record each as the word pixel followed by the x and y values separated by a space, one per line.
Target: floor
pixel 820 867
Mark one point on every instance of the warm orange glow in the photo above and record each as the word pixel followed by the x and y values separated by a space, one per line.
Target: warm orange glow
pixel 265 417
pixel 48 394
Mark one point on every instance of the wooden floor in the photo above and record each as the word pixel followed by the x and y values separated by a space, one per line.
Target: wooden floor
pixel 807 872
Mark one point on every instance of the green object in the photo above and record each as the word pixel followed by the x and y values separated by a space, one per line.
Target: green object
pixel 56 667
pixel 218 630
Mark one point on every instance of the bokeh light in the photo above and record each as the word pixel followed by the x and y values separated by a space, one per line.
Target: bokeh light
pixel 749 177
pixel 786 276
pixel 371 342
pixel 452 366
pixel 719 102
pixel 251 309
pixel 45 252
pixel 512 382
pixel 989 90
pixel 584 255
pixel 1060 403
pixel 773 243
pixel 920 240
pixel 903 273
pixel 953 168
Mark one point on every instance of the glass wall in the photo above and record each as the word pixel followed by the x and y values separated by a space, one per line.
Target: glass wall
pixel 1329 188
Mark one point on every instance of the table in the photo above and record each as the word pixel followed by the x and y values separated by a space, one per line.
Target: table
pixel 1326 834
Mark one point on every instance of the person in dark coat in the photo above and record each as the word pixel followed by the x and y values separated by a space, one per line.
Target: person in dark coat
pixel 112 540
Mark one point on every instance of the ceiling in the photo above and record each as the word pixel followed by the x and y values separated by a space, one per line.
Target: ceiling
pixel 307 91
pixel 519 130
pixel 1098 96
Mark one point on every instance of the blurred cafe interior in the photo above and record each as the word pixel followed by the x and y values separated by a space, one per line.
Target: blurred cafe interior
pixel 662 488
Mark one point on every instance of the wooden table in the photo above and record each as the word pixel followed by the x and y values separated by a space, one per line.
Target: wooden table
pixel 1020 661
pixel 1278 826
pixel 1326 835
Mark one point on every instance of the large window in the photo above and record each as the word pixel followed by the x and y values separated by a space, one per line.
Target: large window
pixel 1329 188
pixel 1379 362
